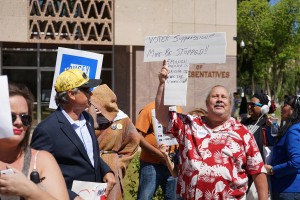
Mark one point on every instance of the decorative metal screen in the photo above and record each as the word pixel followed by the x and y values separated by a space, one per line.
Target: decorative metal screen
pixel 71 21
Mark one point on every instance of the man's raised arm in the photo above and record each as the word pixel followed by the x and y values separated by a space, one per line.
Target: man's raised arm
pixel 162 111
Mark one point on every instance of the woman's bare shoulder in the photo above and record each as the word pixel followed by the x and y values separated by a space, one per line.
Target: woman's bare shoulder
pixel 42 155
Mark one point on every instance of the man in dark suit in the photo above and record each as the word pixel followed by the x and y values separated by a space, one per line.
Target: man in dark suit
pixel 69 135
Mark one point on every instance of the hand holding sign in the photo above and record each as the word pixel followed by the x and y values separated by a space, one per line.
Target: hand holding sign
pixel 163 74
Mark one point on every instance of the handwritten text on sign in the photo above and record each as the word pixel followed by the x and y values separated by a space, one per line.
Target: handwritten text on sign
pixel 176 84
pixel 196 48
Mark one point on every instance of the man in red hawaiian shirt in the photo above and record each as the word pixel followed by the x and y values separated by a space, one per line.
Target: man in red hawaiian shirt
pixel 216 151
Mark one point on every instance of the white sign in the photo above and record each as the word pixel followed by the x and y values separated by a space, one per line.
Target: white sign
pixel 161 137
pixel 6 128
pixel 196 48
pixel 180 51
pixel 176 83
pixel 90 63
pixel 89 190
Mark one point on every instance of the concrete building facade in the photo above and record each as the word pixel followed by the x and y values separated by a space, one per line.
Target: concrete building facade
pixel 32 30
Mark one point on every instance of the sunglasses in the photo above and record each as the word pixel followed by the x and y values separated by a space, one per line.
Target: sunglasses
pixel 252 104
pixel 26 119
pixel 85 90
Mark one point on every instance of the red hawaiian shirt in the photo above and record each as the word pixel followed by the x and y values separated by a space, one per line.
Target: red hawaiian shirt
pixel 214 163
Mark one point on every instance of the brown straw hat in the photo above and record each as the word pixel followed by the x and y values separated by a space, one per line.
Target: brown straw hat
pixel 105 100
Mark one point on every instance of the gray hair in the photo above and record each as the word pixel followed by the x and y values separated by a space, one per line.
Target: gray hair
pixel 61 97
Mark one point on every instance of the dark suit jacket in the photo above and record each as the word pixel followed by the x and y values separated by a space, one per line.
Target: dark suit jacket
pixel 56 135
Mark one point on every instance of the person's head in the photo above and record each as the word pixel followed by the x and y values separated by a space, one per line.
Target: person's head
pixel 198 112
pixel 218 103
pixel 290 113
pixel 104 100
pixel 21 104
pixel 259 104
pixel 287 107
pixel 73 88
pixel 295 118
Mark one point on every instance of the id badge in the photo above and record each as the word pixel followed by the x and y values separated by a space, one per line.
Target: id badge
pixel 201 133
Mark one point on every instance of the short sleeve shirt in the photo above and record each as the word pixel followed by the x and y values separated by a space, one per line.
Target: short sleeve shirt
pixel 144 124
pixel 214 163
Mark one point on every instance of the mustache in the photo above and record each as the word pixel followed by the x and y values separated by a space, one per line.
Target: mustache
pixel 219 103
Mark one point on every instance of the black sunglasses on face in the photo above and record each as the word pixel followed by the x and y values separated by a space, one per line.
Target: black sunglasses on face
pixel 85 90
pixel 26 119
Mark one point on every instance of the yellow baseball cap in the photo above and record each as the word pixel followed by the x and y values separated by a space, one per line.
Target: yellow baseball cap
pixel 74 78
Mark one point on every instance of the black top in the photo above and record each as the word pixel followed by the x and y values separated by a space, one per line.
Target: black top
pixel 259 131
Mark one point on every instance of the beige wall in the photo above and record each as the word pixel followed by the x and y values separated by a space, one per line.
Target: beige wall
pixel 135 19
pixel 13 20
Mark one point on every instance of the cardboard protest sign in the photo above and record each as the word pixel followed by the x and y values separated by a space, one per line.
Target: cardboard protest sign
pixel 196 48
pixel 89 190
pixel 180 51
pixel 6 128
pixel 89 62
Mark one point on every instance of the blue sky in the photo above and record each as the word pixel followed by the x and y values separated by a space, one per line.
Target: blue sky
pixel 273 1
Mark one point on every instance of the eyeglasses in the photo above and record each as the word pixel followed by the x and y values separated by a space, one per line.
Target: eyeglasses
pixel 252 104
pixel 26 119
pixel 85 90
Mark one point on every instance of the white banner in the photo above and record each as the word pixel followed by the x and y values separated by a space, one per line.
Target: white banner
pixel 195 48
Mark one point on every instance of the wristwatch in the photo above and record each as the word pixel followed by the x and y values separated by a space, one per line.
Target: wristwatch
pixel 271 171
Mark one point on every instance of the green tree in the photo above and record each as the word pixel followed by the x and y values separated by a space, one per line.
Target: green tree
pixel 271 36
pixel 252 27
pixel 286 46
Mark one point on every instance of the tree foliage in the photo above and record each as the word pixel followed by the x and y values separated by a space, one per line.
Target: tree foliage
pixel 272 42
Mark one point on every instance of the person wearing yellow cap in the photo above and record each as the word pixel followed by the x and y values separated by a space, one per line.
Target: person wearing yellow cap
pixel 68 133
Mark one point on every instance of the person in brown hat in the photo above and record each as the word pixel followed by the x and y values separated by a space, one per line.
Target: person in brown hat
pixel 117 137
pixel 68 133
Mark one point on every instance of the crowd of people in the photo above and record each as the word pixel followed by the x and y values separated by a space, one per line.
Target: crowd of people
pixel 88 138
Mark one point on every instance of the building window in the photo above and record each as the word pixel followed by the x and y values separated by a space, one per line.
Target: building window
pixel 34 66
